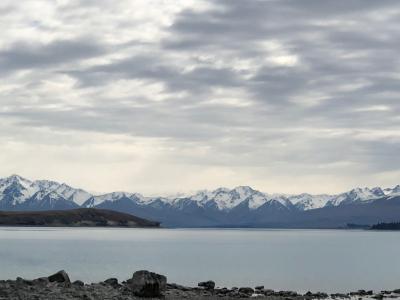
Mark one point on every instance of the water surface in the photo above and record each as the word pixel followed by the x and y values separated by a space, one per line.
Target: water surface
pixel 301 260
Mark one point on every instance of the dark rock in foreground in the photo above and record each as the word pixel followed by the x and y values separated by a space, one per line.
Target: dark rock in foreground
pixel 60 276
pixel 145 284
pixel 112 281
pixel 209 285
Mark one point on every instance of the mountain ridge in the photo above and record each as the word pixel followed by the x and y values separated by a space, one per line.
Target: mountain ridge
pixel 239 205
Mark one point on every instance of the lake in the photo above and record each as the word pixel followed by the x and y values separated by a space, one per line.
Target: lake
pixel 300 260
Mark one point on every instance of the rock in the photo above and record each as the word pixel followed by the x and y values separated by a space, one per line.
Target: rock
pixel 147 284
pixel 42 281
pixel 286 294
pixel 246 290
pixel 178 287
pixel 260 287
pixel 208 285
pixel 268 292
pixel 222 291
pixel 234 294
pixel 321 295
pixel 24 281
pixel 112 281
pixel 317 295
pixel 60 276
pixel 397 291
pixel 78 283
pixel 340 295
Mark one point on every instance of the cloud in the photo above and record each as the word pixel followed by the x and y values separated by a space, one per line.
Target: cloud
pixel 27 56
pixel 265 93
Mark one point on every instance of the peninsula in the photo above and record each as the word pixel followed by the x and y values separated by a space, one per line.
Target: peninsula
pixel 81 217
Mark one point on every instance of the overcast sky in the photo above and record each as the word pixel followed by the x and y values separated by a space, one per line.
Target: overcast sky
pixel 169 96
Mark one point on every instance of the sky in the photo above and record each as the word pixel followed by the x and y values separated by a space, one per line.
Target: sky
pixel 160 96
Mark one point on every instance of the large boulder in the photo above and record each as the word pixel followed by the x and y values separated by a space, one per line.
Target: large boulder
pixel 208 285
pixel 42 281
pixel 112 281
pixel 246 290
pixel 78 283
pixel 147 284
pixel 22 281
pixel 60 276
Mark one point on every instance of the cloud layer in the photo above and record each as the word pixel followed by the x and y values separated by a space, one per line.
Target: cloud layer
pixel 161 96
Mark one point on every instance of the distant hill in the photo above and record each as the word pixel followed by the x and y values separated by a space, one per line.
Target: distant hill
pixel 85 217
pixel 386 226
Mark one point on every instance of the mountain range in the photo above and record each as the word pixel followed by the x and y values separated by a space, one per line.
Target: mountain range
pixel 238 207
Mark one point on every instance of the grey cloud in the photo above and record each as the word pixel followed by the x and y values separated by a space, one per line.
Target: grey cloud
pixel 196 81
pixel 30 56
pixel 346 59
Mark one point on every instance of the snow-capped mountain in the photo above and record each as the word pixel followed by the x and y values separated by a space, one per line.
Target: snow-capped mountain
pixel 392 191
pixel 307 201
pixel 45 200
pixel 240 206
pixel 93 201
pixel 225 199
pixel 18 193
pixel 15 190
pixel 357 195
pixel 78 196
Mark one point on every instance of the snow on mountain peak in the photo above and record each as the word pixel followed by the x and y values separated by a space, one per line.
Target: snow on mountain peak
pixel 17 178
pixel 244 191
pixel 357 195
pixel 116 196
pixel 226 199
pixel 396 189
pixel 46 184
pixel 16 190
pixel 363 194
pixel 392 191
pixel 307 201
pixel 256 200
pixel 67 192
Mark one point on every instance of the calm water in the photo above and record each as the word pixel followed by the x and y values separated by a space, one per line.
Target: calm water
pixel 318 260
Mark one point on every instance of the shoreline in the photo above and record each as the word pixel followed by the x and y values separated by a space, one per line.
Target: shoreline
pixel 195 228
pixel 145 284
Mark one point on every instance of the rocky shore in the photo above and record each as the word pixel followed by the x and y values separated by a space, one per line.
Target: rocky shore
pixel 145 284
